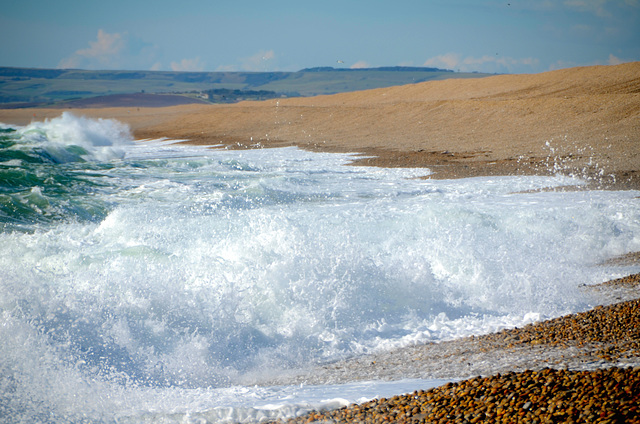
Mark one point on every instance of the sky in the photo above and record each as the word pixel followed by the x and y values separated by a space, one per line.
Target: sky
pixel 495 36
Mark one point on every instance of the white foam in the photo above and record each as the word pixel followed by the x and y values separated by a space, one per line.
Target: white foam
pixel 216 268
pixel 94 139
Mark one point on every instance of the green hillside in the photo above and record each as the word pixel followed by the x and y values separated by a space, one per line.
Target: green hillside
pixel 24 87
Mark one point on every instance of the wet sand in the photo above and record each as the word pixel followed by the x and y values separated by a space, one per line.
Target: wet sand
pixel 579 121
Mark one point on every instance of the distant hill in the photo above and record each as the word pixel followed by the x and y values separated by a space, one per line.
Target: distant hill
pixel 132 100
pixel 383 68
pixel 28 87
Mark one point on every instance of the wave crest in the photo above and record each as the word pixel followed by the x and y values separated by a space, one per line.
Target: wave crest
pixel 71 138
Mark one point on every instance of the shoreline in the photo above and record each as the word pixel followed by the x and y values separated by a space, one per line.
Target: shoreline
pixel 603 396
pixel 583 122
pixel 501 377
pixel 605 336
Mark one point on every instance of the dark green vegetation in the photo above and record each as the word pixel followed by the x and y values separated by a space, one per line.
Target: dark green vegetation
pixel 22 87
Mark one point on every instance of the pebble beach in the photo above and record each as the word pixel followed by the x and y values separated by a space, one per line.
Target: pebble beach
pixel 547 396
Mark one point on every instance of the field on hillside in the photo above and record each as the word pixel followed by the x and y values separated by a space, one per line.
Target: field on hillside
pixel 50 87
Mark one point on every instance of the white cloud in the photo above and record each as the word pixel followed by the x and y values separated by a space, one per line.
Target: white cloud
pixel 360 65
pixel 188 65
pixel 486 63
pixel 105 52
pixel 107 45
pixel 69 63
pixel 113 51
pixel 614 60
pixel 259 61
pixel 449 61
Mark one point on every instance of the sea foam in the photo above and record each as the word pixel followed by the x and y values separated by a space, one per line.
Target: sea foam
pixel 192 274
pixel 70 138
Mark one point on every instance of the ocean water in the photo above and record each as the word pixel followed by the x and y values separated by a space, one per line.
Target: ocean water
pixel 149 281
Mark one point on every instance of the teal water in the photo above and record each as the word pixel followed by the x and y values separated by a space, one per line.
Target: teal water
pixel 44 179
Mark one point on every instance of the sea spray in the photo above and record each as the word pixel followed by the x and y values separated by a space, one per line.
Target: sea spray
pixel 51 171
pixel 152 280
pixel 69 138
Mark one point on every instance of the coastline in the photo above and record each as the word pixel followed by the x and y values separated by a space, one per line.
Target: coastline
pixel 542 372
pixel 603 337
pixel 581 121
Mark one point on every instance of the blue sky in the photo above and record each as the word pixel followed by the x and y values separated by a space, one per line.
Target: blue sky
pixel 506 36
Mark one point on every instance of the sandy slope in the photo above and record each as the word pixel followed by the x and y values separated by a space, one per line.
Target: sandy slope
pixel 578 120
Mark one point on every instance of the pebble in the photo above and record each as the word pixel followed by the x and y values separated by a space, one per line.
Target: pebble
pixel 614 329
pixel 547 396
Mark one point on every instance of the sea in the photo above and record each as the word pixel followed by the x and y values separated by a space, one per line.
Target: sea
pixel 150 281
